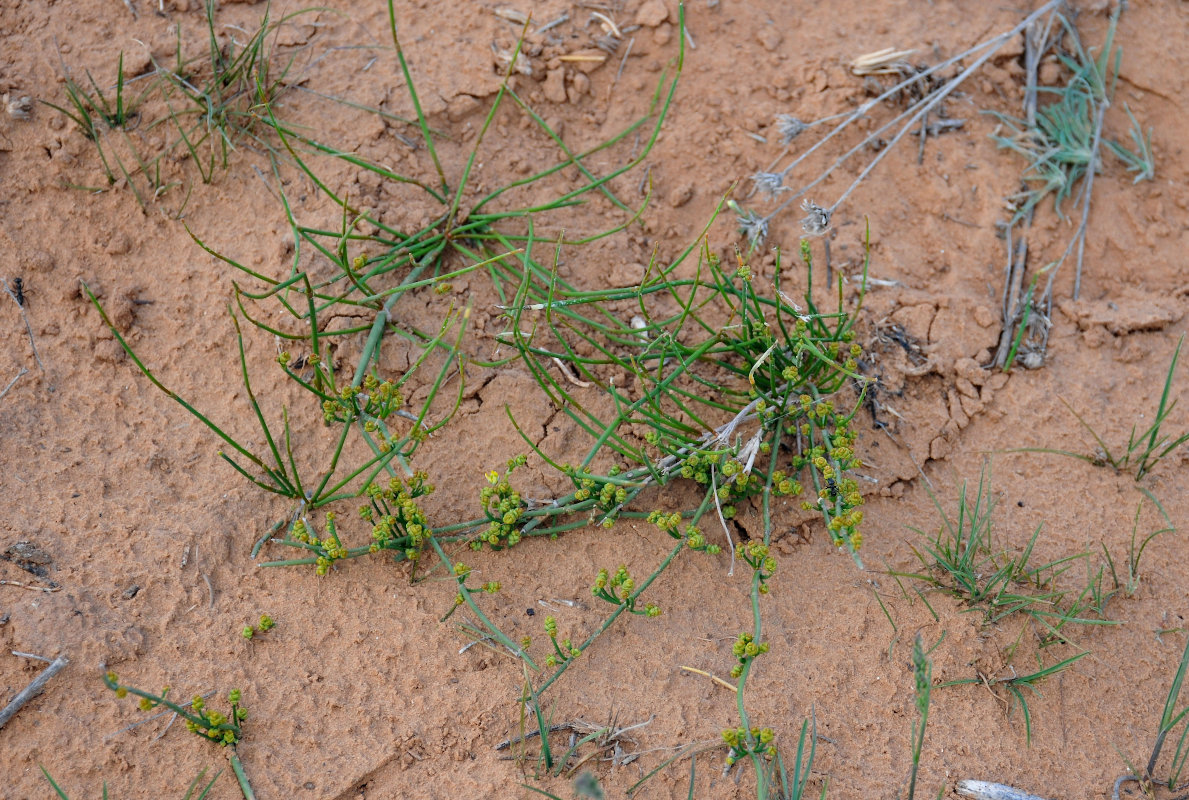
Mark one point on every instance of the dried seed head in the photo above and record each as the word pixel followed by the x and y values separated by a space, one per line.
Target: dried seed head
pixel 769 183
pixel 753 226
pixel 817 219
pixel 789 127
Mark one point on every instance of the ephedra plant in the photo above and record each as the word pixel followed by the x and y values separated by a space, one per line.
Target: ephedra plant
pixel 733 387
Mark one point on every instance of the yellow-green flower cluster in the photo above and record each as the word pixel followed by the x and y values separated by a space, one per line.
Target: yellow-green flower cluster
pixel 564 650
pixel 461 573
pixel 745 649
pixel 666 522
pixel 838 497
pixel 608 496
pixel 759 558
pixel 373 401
pixel 693 536
pixel 213 725
pixel 742 742
pixel 398 523
pixel 329 549
pixel 619 589
pixel 697 465
pixel 730 477
pixel 784 486
pixel 266 624
pixel 503 507
pixel 696 540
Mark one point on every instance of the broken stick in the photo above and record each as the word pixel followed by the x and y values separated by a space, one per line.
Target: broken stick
pixel 33 689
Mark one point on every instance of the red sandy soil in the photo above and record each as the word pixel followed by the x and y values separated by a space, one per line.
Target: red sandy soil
pixel 359 691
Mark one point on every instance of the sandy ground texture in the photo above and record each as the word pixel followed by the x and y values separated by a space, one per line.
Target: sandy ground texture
pixel 125 540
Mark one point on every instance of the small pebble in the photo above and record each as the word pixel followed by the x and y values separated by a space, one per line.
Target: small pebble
pixel 769 38
pixel 652 13
pixel 20 107
pixel 681 195
pixel 554 86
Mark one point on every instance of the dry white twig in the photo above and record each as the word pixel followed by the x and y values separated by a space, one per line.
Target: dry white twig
pixel 571 377
pixel 33 656
pixel 12 382
pixel 30 587
pixel 722 520
pixel 981 790
pixel 33 689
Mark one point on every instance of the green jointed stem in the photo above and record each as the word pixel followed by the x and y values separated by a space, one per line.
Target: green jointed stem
pixel 495 632
pixel 242 777
pixel 610 619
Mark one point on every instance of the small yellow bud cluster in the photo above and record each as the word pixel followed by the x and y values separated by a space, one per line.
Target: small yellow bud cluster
pixel 759 558
pixel 742 742
pixel 331 547
pixel 112 680
pixel 839 497
pixel 266 624
pixel 745 649
pixel 619 590
pixel 328 549
pixel 697 465
pixel 372 402
pixel 564 650
pixel 212 725
pixel 693 536
pixel 831 459
pixel 398 523
pixel 215 726
pixel 696 540
pixel 743 271
pixel 784 486
pixel 666 522
pixel 461 573
pixel 670 523
pixel 504 508
pixel 731 478
pixel 607 496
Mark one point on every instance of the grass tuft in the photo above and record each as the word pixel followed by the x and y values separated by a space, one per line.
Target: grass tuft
pixel 210 106
pixel 1170 718
pixel 1063 144
pixel 1144 449
pixel 963 560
